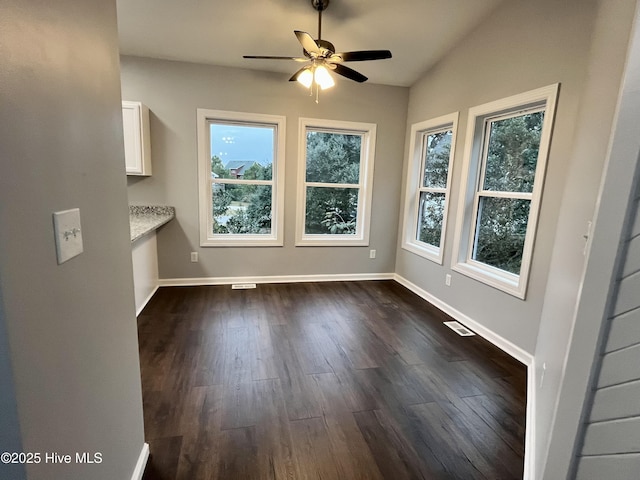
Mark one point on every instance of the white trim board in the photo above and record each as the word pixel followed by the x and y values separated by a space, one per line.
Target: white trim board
pixel 506 346
pixel 346 277
pixel 142 462
pixel 146 300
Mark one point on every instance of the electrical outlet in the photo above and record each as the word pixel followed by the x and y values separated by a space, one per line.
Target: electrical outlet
pixel 194 257
pixel 372 253
pixel 447 280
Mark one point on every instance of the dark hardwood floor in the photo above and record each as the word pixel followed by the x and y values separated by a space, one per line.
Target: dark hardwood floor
pixel 344 380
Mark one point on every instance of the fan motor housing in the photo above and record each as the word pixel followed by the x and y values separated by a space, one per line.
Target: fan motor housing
pixel 324 45
pixel 320 5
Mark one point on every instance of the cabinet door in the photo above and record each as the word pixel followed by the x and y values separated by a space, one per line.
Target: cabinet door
pixel 135 124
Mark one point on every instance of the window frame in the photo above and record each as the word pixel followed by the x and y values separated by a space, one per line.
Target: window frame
pixel 414 185
pixel 207 238
pixel 476 144
pixel 365 185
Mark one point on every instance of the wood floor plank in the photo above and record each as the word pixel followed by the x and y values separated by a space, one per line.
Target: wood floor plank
pixel 239 406
pixel 341 380
pixel 263 364
pixel 351 454
pixel 296 385
pixel 163 463
pixel 394 458
pixel 450 445
pixel 210 366
pixel 237 360
pixel 497 452
pixel 308 351
pixel 489 409
pixel 201 439
pixel 406 432
pixel 276 457
pixel 238 455
pixel 313 449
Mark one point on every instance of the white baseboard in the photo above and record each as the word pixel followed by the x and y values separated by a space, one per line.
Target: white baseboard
pixel 507 347
pixel 142 462
pixel 146 300
pixel 530 431
pixel 349 277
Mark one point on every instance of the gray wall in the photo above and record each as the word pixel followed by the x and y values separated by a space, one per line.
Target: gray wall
pixel 612 434
pixel 174 90
pixel 522 46
pixel 577 338
pixel 573 305
pixel 10 438
pixel 71 328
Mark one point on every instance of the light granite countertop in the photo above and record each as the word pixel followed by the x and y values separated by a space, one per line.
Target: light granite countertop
pixel 144 219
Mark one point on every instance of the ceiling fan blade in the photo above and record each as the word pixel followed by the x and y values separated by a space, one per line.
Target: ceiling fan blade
pixel 270 57
pixel 361 56
pixel 307 41
pixel 349 73
pixel 295 76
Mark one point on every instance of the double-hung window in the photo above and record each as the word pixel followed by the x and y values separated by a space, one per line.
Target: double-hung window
pixel 335 182
pixel 431 155
pixel 241 178
pixel 507 148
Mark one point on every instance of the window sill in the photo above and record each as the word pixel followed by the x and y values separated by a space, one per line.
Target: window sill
pixel 331 241
pixel 244 241
pixel 427 251
pixel 509 283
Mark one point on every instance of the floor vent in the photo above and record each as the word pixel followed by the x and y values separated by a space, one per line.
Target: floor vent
pixel 459 329
pixel 243 286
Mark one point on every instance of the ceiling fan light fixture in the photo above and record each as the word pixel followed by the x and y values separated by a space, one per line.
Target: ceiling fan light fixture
pixel 322 57
pixel 306 78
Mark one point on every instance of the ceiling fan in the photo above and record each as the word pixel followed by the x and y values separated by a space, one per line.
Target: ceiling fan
pixel 322 57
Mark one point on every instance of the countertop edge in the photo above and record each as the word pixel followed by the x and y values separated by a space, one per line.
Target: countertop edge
pixel 144 219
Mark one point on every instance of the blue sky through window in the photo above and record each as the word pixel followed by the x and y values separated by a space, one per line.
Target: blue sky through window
pixel 240 142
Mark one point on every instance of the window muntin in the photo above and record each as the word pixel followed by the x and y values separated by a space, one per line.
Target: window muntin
pixel 335 182
pixel 428 185
pixel 241 159
pixel 507 148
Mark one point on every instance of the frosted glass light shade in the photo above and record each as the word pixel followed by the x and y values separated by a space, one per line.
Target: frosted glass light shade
pixel 305 78
pixel 323 78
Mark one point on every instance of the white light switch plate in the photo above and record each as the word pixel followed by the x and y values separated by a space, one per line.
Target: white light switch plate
pixel 68 234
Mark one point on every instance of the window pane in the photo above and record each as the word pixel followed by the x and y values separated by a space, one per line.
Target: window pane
pixel 436 162
pixel 333 157
pixel 331 211
pixel 242 209
pixel 500 232
pixel 430 215
pixel 242 151
pixel 513 153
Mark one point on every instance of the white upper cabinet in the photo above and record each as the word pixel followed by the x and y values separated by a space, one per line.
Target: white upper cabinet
pixel 137 144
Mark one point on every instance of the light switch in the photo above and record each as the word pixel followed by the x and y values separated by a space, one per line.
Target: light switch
pixel 68 234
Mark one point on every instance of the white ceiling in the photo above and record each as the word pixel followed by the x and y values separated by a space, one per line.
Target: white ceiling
pixel 219 32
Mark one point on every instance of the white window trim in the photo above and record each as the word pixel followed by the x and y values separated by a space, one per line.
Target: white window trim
pixel 367 156
pixel 207 238
pixel 415 172
pixel 516 285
